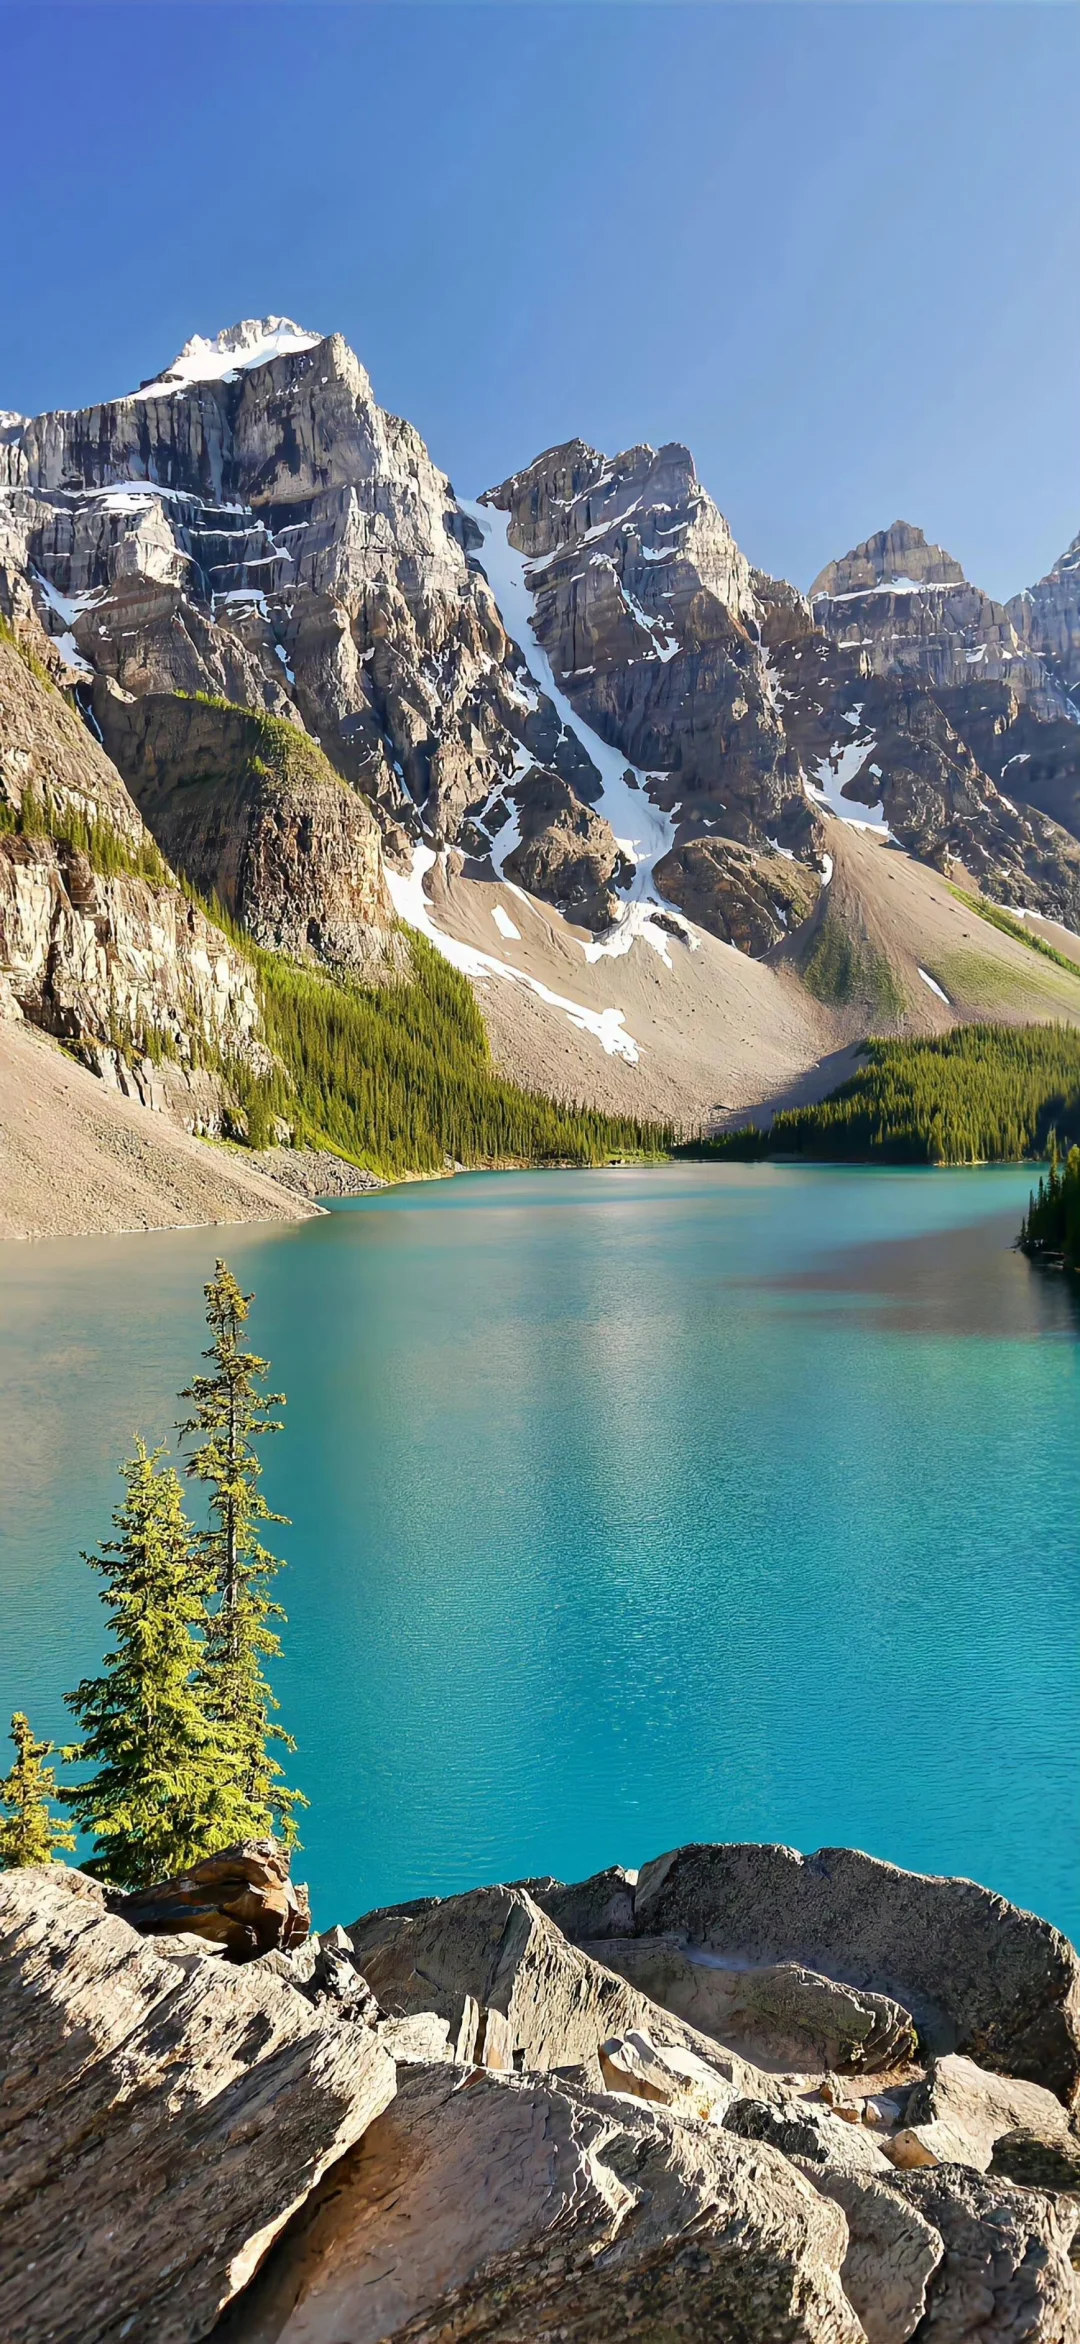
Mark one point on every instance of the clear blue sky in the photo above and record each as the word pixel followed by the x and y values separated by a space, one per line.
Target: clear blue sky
pixel 834 248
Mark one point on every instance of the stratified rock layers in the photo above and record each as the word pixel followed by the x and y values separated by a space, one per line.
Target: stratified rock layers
pixel 451 2122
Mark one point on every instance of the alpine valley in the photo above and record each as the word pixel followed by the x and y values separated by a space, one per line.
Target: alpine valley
pixel 292 735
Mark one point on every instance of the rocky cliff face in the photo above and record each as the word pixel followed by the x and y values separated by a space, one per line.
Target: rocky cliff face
pixel 1047 618
pixel 256 525
pixel 251 810
pixel 579 686
pixel 899 695
pixel 97 943
pixel 253 526
pixel 908 610
pixel 648 614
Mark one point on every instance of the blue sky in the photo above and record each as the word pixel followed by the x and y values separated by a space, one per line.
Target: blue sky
pixel 834 248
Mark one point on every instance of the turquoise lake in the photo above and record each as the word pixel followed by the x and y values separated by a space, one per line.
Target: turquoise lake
pixel 627 1508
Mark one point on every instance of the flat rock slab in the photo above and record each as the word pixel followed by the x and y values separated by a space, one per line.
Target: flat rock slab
pixel 522 2209
pixel 161 2120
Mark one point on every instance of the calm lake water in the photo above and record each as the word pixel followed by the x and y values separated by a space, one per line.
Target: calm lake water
pixel 627 1508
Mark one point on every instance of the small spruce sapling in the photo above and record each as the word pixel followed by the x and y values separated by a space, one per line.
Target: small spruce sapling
pixel 154 1802
pixel 29 1832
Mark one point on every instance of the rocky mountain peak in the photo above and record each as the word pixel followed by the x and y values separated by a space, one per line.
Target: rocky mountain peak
pixel 1047 618
pixel 1068 563
pixel 253 342
pixel 897 557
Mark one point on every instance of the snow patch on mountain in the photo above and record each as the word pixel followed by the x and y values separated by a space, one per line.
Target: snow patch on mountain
pixel 411 904
pixel 831 775
pixel 643 831
pixel 220 357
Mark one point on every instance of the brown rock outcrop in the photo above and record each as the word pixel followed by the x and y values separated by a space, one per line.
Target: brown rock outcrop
pixel 747 896
pixel 566 853
pixel 242 1899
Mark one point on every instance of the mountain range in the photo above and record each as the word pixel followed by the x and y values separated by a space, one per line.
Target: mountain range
pixel 689 832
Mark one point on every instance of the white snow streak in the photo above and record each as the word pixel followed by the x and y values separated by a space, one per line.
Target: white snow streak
pixel 935 987
pixel 411 904
pixel 642 830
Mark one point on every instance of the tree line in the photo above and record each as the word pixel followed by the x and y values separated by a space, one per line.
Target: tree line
pixel 1050 1230
pixel 178 1733
pixel 398 1077
pixel 977 1094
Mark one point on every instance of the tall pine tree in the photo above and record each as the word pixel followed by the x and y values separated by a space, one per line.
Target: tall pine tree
pixel 229 1409
pixel 29 1833
pixel 157 1798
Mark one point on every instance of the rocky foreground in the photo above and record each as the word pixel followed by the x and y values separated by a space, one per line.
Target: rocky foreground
pixel 744 2094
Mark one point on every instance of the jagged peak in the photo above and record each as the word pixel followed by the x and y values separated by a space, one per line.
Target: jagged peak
pixel 254 341
pixel 900 556
pixel 1068 562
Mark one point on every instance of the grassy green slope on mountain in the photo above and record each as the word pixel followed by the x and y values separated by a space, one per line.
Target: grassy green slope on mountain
pixel 1007 925
pixel 399 1077
pixel 893 947
pixel 977 1094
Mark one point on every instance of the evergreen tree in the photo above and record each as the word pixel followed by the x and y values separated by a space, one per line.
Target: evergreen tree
pixel 153 1802
pixel 231 1411
pixel 29 1834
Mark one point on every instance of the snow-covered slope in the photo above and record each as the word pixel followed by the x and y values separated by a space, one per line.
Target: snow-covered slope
pixel 218 359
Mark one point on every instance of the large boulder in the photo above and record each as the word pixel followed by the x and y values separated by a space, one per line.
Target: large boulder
pixel 162 2119
pixel 1006 2276
pixel 519 2208
pixel 515 1993
pixel 241 1899
pixel 781 2012
pixel 958 2113
pixel 978 1974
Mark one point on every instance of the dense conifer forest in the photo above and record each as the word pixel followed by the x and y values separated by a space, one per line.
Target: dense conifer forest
pixel 978 1094
pixel 398 1077
pixel 1051 1231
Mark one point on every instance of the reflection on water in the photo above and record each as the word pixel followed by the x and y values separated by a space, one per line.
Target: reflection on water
pixel 626 1508
pixel 965 1281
